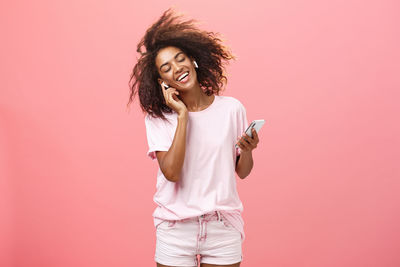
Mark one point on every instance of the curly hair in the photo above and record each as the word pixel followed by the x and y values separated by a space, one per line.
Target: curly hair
pixel 203 46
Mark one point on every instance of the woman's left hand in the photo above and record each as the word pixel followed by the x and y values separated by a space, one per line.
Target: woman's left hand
pixel 246 143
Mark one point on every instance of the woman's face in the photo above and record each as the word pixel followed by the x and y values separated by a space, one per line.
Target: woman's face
pixel 171 63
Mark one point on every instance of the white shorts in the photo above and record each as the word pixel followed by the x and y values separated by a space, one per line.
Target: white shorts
pixel 211 237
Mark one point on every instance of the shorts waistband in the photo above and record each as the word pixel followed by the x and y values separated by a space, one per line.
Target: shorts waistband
pixel 210 216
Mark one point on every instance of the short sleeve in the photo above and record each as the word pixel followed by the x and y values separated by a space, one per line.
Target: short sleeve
pixel 242 123
pixel 158 138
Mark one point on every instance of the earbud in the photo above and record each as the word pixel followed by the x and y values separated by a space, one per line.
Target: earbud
pixel 165 86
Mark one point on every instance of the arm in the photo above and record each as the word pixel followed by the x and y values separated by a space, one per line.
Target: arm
pixel 244 162
pixel 171 161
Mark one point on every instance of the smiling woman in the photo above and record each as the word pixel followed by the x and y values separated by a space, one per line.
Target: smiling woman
pixel 191 131
pixel 203 47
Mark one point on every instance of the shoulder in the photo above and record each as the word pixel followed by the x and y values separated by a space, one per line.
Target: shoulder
pixel 231 101
pixel 156 121
pixel 150 119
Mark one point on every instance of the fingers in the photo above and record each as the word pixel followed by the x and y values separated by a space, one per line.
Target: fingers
pixel 243 145
pixel 243 141
pixel 168 97
pixel 169 94
pixel 247 143
pixel 255 135
pixel 250 140
pixel 173 94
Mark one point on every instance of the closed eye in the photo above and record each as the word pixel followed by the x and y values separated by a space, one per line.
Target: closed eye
pixel 178 61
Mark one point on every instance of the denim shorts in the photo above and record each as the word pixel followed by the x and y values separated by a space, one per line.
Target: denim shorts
pixel 210 236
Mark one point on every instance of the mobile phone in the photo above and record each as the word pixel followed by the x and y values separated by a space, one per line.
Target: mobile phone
pixel 256 124
pixel 165 85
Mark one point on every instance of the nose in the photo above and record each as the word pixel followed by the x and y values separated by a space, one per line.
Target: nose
pixel 177 67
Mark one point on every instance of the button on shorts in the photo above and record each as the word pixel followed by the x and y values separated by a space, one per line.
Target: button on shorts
pixel 210 236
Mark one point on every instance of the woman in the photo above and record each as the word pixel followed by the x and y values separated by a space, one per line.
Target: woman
pixel 192 131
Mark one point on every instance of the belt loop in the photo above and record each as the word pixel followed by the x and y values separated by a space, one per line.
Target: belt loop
pixel 219 216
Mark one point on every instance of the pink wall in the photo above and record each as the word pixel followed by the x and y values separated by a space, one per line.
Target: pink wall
pixel 76 186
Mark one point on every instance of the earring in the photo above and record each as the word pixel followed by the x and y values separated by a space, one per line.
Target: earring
pixel 195 64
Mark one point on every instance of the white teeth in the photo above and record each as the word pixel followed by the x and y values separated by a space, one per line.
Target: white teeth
pixel 183 76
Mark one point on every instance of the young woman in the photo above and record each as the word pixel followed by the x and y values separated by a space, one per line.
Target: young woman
pixel 192 132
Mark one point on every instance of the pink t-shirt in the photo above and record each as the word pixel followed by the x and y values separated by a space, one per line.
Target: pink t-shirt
pixel 208 181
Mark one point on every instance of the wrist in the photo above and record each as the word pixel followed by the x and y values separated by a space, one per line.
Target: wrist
pixel 246 153
pixel 183 116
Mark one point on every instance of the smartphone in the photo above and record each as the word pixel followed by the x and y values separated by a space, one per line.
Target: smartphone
pixel 256 124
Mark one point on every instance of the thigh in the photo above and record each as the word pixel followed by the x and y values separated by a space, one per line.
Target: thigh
pixel 176 244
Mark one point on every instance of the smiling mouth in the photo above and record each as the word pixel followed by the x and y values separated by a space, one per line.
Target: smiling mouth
pixel 184 77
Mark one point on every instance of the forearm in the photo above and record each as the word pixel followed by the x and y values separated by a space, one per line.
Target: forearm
pixel 173 161
pixel 245 164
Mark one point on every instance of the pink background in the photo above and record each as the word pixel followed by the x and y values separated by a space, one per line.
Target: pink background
pixel 76 186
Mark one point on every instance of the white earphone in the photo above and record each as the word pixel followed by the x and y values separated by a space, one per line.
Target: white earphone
pixel 165 86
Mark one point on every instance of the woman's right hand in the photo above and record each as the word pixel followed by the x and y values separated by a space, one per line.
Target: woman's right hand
pixel 172 100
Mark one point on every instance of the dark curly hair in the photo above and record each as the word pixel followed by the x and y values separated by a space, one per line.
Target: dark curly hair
pixel 203 46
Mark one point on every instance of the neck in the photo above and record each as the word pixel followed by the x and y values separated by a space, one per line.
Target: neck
pixel 195 99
